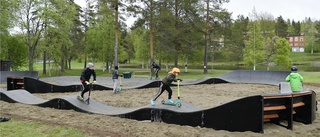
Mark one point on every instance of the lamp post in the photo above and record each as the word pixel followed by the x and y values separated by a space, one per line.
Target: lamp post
pixel 312 38
pixel 254 46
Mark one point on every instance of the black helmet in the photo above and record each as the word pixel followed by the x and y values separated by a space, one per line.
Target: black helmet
pixel 294 68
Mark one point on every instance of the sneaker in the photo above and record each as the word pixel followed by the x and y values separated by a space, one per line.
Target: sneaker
pixel 152 102
pixel 169 101
pixel 80 97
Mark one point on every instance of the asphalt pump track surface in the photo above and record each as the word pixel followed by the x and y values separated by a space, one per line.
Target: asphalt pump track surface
pixel 245 114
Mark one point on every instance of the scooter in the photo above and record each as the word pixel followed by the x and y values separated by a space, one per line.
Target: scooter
pixel 120 84
pixel 176 103
pixel 87 101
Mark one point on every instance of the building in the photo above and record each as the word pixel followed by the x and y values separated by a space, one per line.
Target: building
pixel 297 43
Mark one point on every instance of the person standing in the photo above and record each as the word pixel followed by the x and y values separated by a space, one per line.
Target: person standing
pixel 165 85
pixel 115 76
pixel 85 78
pixel 295 79
pixel 157 68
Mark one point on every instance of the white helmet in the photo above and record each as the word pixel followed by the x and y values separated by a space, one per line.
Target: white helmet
pixel 90 65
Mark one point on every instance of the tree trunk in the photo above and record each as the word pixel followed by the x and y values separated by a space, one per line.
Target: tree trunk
pixel 167 65
pixel 116 34
pixel 30 58
pixel 44 62
pixel 186 65
pixel 205 70
pixel 177 42
pixel 151 37
pixel 69 61
pixel 62 64
pixel 85 60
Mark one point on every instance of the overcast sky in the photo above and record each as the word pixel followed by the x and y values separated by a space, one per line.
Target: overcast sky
pixel 288 9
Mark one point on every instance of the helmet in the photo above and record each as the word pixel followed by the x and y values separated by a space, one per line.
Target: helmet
pixel 90 65
pixel 294 68
pixel 175 70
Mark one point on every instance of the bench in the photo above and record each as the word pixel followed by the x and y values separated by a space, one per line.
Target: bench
pixel 284 107
pixel 267 117
pixel 15 83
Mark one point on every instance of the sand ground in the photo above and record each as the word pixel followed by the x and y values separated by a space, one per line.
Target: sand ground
pixel 202 96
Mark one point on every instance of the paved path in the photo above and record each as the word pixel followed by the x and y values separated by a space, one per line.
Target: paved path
pixel 106 81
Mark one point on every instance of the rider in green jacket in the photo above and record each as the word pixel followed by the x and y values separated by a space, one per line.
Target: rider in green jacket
pixel 295 79
pixel 165 85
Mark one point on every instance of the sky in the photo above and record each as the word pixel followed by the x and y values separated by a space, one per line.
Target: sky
pixel 295 10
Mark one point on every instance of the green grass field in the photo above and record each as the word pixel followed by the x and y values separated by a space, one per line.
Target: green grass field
pixel 297 58
pixel 304 58
pixel 16 128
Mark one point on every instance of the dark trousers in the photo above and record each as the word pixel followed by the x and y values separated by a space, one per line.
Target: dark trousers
pixel 162 88
pixel 85 87
pixel 156 71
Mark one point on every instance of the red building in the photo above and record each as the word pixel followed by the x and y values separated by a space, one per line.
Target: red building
pixel 297 43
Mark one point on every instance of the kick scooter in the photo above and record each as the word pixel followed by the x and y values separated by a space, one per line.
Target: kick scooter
pixel 176 103
pixel 87 101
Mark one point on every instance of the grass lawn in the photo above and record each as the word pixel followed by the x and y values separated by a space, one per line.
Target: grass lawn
pixel 297 58
pixel 312 77
pixel 16 128
pixel 304 58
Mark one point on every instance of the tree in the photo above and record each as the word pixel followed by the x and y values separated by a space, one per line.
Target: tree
pixel 7 17
pixel 297 28
pixel 116 26
pixel 283 52
pixel 76 35
pixel 129 47
pixel 294 28
pixel 58 18
pixel 254 49
pixel 317 35
pixel 100 40
pixel 210 7
pixel 164 28
pixel 139 37
pixel 234 43
pixel 270 50
pixel 89 15
pixel 147 11
pixel 17 52
pixel 116 7
pixel 281 27
pixel 31 25
pixel 311 37
pixel 267 24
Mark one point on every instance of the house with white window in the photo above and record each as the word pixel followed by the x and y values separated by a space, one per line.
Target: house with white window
pixel 297 43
